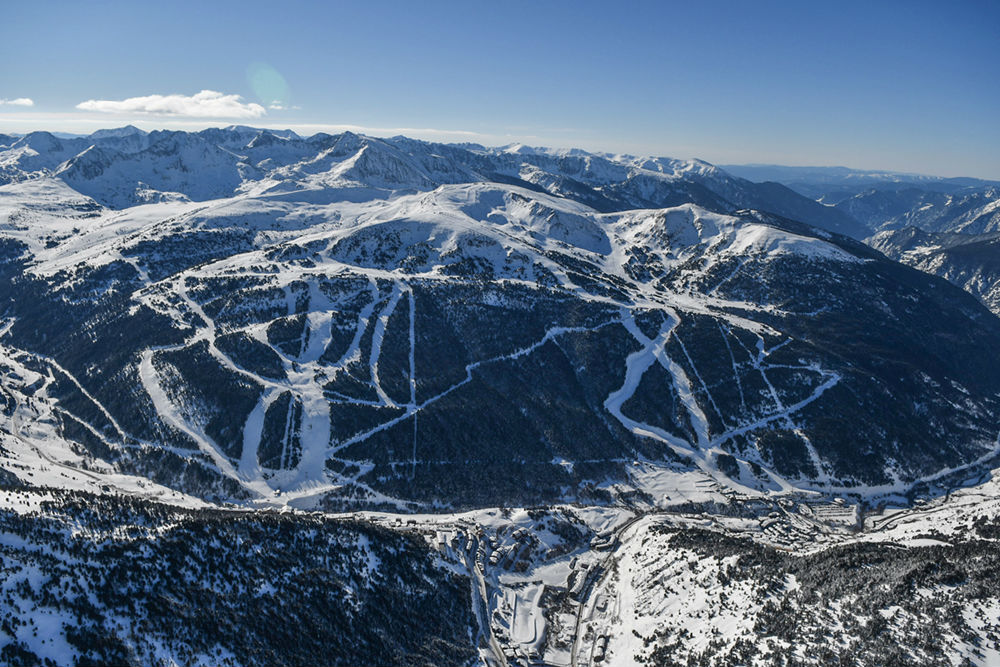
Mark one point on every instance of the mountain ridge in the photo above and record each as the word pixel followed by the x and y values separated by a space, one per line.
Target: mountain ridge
pixel 632 182
pixel 357 253
pixel 470 405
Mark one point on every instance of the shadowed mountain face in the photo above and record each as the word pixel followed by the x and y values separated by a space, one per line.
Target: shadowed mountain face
pixel 341 322
pixel 887 201
pixel 944 226
pixel 971 261
pixel 972 211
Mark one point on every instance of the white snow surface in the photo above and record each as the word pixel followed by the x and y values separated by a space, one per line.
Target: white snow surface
pixel 367 207
pixel 346 197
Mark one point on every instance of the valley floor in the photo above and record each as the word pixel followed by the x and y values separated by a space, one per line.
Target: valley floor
pixel 710 578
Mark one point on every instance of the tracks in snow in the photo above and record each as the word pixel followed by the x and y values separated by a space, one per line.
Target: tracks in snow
pixel 704 450
pixel 307 374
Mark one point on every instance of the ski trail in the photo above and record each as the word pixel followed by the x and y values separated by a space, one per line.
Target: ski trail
pixel 249 467
pixel 318 327
pixel 758 363
pixel 732 359
pixel 10 359
pixel 90 429
pixel 832 379
pixel 306 376
pixel 286 439
pixel 107 415
pixel 289 300
pixel 353 352
pixel 248 474
pixel 636 365
pixel 378 335
pixel 143 274
pixel 682 384
pixel 413 349
pixel 412 406
pixel 171 415
pixel 697 375
pixel 309 410
pixel 253 430
pixel 303 378
pixel 413 460
pixel 739 267
pixel 821 475
pixel 314 438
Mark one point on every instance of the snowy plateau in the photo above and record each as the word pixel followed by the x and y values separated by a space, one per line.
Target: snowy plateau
pixel 282 400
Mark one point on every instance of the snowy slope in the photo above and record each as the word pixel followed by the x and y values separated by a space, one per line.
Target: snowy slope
pixel 971 261
pixel 606 406
pixel 966 211
pixel 122 167
pixel 317 341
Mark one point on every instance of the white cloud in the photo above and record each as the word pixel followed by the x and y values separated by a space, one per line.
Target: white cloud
pixel 19 102
pixel 206 104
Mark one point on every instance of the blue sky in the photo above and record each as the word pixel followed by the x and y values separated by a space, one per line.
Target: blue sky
pixel 909 86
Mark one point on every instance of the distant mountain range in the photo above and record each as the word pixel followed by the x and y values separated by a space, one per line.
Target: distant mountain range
pixel 887 200
pixel 911 218
pixel 971 261
pixel 834 184
pixel 124 167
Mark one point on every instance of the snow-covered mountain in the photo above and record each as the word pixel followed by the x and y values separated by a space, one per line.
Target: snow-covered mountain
pixel 288 316
pixel 496 330
pixel 969 211
pixel 835 184
pixel 249 320
pixel 943 226
pixel 971 261
pixel 123 167
pixel 886 200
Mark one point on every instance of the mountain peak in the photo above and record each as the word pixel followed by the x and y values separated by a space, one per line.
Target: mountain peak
pixel 266 138
pixel 518 149
pixel 86 165
pixel 126 131
pixel 40 141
